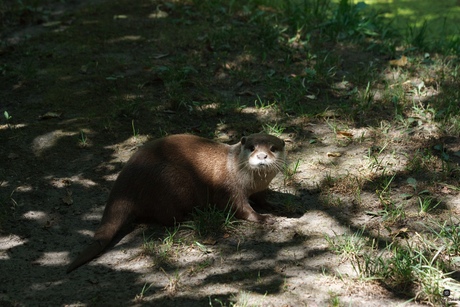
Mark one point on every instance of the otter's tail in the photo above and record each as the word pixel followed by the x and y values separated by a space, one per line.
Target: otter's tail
pixel 89 253
pixel 115 216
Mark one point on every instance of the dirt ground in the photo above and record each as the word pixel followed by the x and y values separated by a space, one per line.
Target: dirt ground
pixel 58 171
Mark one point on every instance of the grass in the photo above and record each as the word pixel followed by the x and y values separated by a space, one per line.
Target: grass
pixel 165 251
pixel 206 223
pixel 408 267
pixel 209 221
pixel 247 66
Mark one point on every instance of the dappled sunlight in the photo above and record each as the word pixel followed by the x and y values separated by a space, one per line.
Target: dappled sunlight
pixel 89 233
pixel 36 215
pixel 94 215
pixel 24 188
pixel 53 259
pixel 131 38
pixel 76 179
pixel 370 119
pixel 13 126
pixel 48 140
pixel 4 184
pixel 404 12
pixel 9 242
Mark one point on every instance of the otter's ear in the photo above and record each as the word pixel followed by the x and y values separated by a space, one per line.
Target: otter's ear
pixel 243 140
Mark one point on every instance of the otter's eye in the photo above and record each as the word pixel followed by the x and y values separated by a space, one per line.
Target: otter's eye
pixel 272 149
pixel 252 148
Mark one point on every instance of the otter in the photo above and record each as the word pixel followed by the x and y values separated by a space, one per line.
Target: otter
pixel 167 178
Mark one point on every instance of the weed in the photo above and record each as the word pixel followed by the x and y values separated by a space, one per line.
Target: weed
pixel 174 283
pixel 349 247
pixel 8 118
pixel 373 154
pixel 289 172
pixel 135 134
pixel 275 129
pixel 426 205
pixel 211 220
pixel 416 37
pixel 140 297
pixel 262 105
pixel 413 183
pixel 334 299
pixel 356 189
pixel 83 139
pixel 162 252
pixel 447 232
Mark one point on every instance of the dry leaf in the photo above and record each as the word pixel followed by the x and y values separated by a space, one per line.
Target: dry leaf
pixel 48 115
pixel 209 241
pixel 159 56
pixel 47 224
pixel 83 69
pixel 400 232
pixel 226 236
pixel 158 14
pixel 67 200
pixel 445 190
pixel 147 69
pixel 344 134
pixel 16 86
pixel 51 24
pixel 246 93
pixel 13 156
pixel 334 154
pixel 399 62
pixel 310 96
pixel 203 37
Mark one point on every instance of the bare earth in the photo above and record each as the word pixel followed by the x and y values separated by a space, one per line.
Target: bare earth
pixel 54 188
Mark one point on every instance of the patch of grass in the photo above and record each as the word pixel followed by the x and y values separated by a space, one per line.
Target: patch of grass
pixel 289 172
pixel 140 297
pixel 350 247
pixel 406 268
pixel 174 283
pixel 210 220
pixel 334 299
pixel 445 236
pixel 426 204
pixel 163 251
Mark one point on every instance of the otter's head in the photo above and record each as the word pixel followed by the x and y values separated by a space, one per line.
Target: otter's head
pixel 262 152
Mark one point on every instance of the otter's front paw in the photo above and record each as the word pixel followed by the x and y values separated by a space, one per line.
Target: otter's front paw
pixel 269 219
pixel 262 218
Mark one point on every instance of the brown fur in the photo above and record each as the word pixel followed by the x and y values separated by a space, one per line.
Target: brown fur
pixel 165 179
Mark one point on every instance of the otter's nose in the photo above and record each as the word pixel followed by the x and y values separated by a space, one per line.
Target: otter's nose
pixel 261 156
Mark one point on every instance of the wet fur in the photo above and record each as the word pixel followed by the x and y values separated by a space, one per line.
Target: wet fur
pixel 165 179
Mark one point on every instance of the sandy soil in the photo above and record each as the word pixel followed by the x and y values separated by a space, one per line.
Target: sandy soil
pixel 54 190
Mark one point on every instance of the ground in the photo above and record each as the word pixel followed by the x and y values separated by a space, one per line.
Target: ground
pixel 86 91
